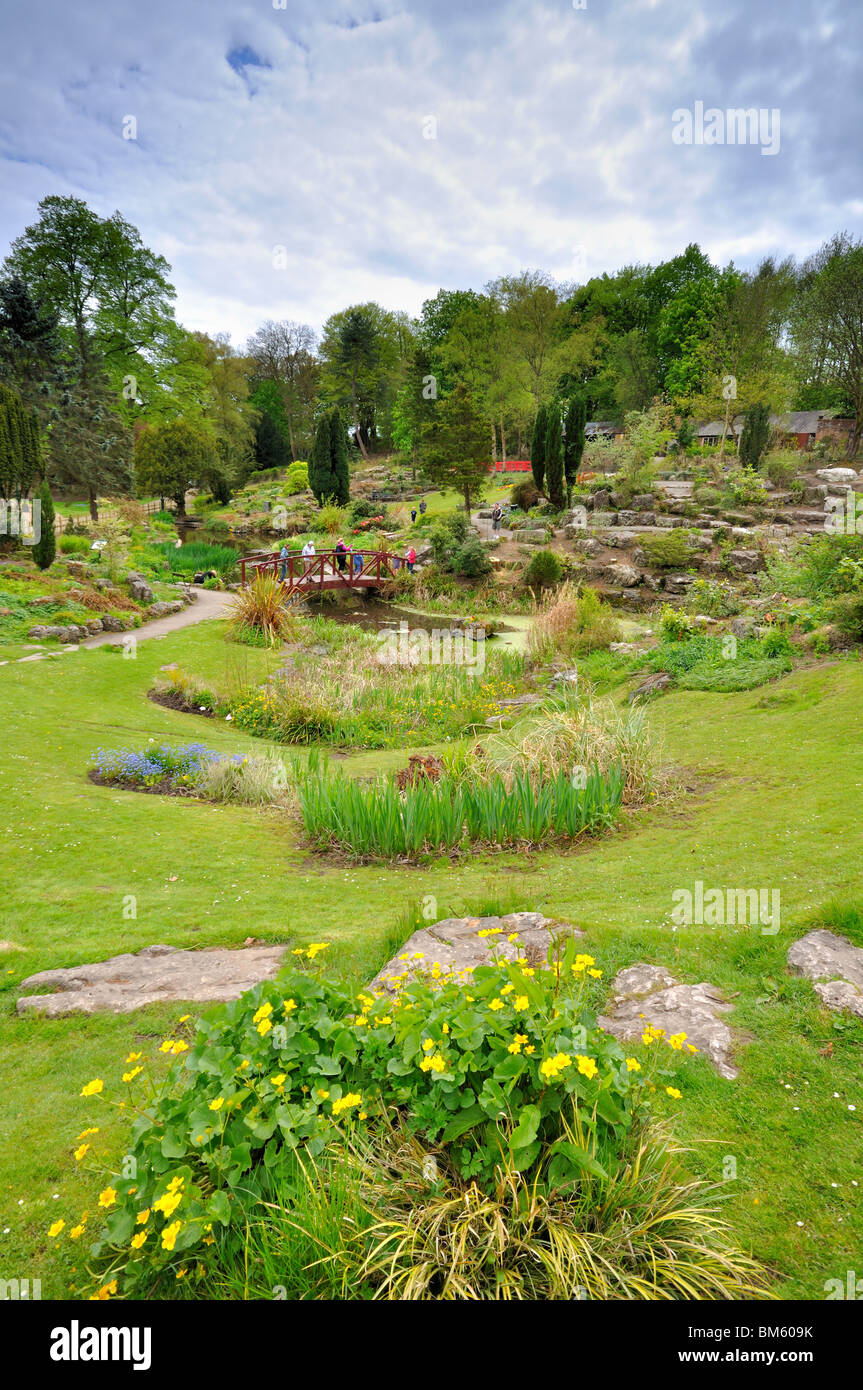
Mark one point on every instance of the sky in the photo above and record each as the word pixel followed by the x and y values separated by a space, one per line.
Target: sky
pixel 291 157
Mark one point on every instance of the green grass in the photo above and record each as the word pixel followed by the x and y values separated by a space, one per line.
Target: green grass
pixel 775 791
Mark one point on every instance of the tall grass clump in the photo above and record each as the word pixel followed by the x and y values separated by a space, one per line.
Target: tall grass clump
pixel 377 821
pixel 571 621
pixel 261 608
pixel 197 556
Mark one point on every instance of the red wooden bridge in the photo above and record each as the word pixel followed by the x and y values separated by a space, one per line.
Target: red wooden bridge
pixel 328 569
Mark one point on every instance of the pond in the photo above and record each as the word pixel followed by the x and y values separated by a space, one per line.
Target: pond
pixel 374 615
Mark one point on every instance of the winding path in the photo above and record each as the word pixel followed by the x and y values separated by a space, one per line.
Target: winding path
pixel 209 603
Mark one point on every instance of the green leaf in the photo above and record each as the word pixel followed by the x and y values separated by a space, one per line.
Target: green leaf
pixel 526 1130
pixel 523 1158
pixel 462 1122
pixel 219 1208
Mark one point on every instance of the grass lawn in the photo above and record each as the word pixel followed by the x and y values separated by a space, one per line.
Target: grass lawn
pixel 776 794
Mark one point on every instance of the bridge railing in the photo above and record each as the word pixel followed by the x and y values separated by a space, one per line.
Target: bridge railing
pixel 325 569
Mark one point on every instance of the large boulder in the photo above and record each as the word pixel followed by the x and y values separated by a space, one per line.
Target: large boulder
pixel 138 587
pixel 836 475
pixel 152 976
pixel 649 994
pixel 746 561
pixel 455 944
pixel 164 608
pixel 627 576
pixel 834 964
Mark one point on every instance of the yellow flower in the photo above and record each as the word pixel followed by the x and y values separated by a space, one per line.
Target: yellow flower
pixel 217 1103
pixel 278 1080
pixel 168 1203
pixel 169 1235
pixel 179 1047
pixel 264 1027
pixel 184 1018
pixel 633 1064
pixel 143 1217
pixel 676 1040
pixel 597 974
pixel 55 1229
pixel 514 1048
pixel 491 931
pixel 530 1050
pixel 673 1092
pixel 387 1018
pixel 316 947
pixel 130 1075
pixel 520 1003
pixel 586 1066
pixel 175 1183
pixel 496 1004
pixel 80 1152
pixel 85 1132
pixel 76 1232
pixel 138 1240
pixel 167 1045
pixel 263 1012
pixel 133 1057
pixel 93 1088
pixel 108 1197
pixel 290 1005
pixel 428 1044
pixel 507 989
pixel 348 1102
pixel 553 1066
pixel 104 1293
pixel 513 936
pixel 445 1028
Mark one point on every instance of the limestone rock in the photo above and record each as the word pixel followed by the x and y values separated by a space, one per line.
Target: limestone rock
pixel 836 475
pixel 164 608
pixel 454 944
pixel 588 546
pixel 746 561
pixel 645 994
pixel 651 685
pixel 836 966
pixel 152 976
pixel 139 589
pixel 678 583
pixel 624 575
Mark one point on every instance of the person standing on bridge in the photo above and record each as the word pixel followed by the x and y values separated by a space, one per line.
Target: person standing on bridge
pixel 308 554
pixel 358 562
pixel 341 554
pixel 284 556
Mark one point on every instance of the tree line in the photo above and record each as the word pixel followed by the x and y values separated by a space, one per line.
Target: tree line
pixel 111 393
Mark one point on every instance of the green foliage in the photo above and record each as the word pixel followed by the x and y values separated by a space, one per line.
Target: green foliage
pixel 328 473
pixel 297 478
pixel 755 436
pixel 194 557
pixel 572 621
pixel 818 567
pixel 471 560
pixel 847 613
pixel 745 489
pixel 554 475
pixel 447 537
pixel 44 550
pixel 379 822
pixel 668 550
pixel 455 451
pixel 173 457
pixel 538 446
pixel 524 495
pixel 544 570
pixel 575 420
pixel 20 454
pixel 674 624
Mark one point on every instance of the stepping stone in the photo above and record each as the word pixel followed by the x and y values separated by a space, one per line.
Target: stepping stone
pixel 152 976
pixel 836 966
pixel 455 944
pixel 645 994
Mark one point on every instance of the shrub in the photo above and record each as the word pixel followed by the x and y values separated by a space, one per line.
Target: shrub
pixel 181 690
pixel 363 509
pixel 73 545
pixel 570 622
pixel 544 570
pixel 847 613
pixel 781 467
pixel 195 557
pixel 243 782
pixel 332 519
pixel 297 478
pixel 745 489
pixel 524 495
pixel 668 550
pixel 261 608
pixel 471 560
pixel 674 624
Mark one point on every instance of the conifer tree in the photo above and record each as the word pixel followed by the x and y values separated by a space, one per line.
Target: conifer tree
pixel 46 547
pixel 573 448
pixel 554 480
pixel 537 448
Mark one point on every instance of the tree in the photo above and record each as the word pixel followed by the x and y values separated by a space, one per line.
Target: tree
pixel 29 345
pixel 575 420
pixel 282 357
pixel 173 457
pixel 351 346
pixel 20 453
pixel 538 447
pixel 455 447
pixel 227 412
pixel 755 436
pixel 46 547
pixel 828 324
pixel 110 292
pixel 554 477
pixel 271 450
pixel 90 448
pixel 329 478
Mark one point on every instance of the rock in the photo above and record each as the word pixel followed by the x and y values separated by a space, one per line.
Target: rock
pixel 620 538
pixel 666 520
pixel 743 627
pixel 837 475
pixel 645 994
pixel 139 589
pixel 454 944
pixel 94 625
pixel 568 677
pixel 646 518
pixel 828 636
pixel 652 582
pixel 642 503
pixel 589 546
pixel 72 633
pixel 836 966
pixel 164 608
pixel 678 583
pixel 627 518
pixel 602 520
pixel 814 493
pixel 152 976
pixel 76 568
pixel 112 624
pixel 746 561
pixel 652 685
pixel 624 575
pixel 596 501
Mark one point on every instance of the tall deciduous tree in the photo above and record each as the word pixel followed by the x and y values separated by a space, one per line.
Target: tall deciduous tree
pixel 90 446
pixel 455 446
pixel 282 358
pixel 828 324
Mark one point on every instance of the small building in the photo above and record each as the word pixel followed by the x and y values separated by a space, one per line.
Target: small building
pixel 608 428
pixel 796 429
